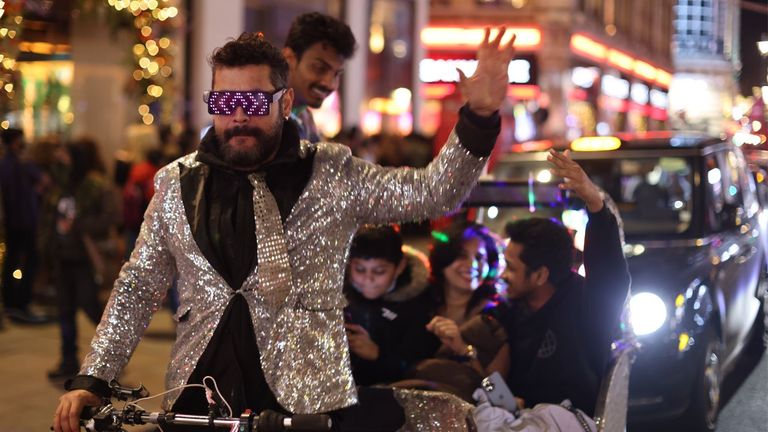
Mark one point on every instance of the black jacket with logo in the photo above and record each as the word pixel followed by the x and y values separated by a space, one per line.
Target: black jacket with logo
pixel 562 350
pixel 396 322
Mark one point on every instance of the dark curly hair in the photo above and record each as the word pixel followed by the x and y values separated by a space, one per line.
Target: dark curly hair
pixel 313 27
pixel 382 242
pixel 251 49
pixel 545 244
pixel 446 250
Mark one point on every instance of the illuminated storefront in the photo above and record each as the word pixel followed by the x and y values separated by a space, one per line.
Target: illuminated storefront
pixel 449 48
pixel 47 106
pixel 612 91
pixel 605 91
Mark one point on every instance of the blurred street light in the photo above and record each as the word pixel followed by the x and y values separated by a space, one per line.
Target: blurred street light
pixel 762 46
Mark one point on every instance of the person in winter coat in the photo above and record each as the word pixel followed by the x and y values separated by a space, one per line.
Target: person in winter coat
pixel 387 313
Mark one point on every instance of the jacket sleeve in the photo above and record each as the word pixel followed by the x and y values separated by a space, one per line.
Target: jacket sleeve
pixel 606 272
pixel 136 296
pixel 383 195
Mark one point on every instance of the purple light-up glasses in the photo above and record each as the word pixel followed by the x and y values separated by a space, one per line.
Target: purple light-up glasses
pixel 253 102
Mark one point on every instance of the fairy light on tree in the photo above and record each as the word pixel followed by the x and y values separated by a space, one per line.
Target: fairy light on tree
pixel 153 54
pixel 10 35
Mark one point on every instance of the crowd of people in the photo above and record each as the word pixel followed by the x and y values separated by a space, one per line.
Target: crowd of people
pixel 66 227
pixel 288 275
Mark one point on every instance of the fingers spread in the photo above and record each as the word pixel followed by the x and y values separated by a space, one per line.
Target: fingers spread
pixel 509 49
pixel 497 40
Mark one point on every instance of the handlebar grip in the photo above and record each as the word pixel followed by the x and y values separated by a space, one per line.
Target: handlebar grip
pixel 309 423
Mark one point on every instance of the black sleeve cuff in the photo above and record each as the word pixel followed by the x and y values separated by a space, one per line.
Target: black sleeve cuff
pixel 94 385
pixel 477 133
pixel 603 217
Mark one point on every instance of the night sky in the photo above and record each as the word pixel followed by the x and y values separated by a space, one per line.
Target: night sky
pixel 753 25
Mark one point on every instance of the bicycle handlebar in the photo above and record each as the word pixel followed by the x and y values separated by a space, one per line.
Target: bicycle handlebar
pixel 107 418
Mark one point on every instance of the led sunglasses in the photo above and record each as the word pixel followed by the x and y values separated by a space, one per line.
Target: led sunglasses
pixel 254 102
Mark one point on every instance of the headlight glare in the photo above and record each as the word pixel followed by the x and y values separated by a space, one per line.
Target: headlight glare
pixel 647 313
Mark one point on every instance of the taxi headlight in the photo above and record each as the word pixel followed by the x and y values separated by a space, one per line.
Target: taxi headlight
pixel 647 313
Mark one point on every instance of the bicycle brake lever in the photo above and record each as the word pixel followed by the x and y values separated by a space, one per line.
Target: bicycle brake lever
pixel 126 393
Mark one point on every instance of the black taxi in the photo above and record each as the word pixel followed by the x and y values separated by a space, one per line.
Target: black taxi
pixel 695 237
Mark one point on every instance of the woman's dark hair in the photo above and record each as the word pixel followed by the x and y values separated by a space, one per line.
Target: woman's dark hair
pixel 86 158
pixel 311 28
pixel 251 49
pixel 545 244
pixel 383 242
pixel 447 247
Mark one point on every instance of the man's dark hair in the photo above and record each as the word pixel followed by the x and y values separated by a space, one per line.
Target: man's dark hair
pixel 251 49
pixel 10 136
pixel 545 244
pixel 382 242
pixel 313 27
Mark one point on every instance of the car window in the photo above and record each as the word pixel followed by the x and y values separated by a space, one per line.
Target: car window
pixel 653 194
pixel 729 165
pixel 748 187
pixel 714 192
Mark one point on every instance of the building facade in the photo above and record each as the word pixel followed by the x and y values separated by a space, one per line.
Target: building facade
pixel 706 58
pixel 584 67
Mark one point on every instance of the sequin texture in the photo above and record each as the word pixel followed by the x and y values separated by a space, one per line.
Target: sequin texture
pixel 299 322
pixel 434 412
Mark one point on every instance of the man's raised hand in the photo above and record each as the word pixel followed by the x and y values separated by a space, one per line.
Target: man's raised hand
pixel 486 89
pixel 576 179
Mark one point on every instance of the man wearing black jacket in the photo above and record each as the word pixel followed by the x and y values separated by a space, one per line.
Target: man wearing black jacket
pixel 560 325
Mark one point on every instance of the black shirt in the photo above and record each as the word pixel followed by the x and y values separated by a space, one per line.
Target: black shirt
pixel 562 350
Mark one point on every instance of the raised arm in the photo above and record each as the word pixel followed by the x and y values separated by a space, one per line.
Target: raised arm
pixel 607 276
pixel 384 195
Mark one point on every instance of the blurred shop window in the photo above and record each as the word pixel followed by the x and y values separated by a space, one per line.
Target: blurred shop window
pixel 390 68
pixel 46 105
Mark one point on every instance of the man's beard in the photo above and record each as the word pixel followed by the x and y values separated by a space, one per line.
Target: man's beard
pixel 267 143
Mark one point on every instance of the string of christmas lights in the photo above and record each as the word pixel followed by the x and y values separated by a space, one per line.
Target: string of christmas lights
pixel 10 31
pixel 153 53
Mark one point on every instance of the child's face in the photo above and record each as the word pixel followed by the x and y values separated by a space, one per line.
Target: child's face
pixel 372 277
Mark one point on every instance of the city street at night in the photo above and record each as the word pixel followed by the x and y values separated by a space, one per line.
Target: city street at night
pixel 384 215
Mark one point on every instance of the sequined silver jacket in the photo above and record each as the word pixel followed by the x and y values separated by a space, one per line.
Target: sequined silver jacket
pixel 302 342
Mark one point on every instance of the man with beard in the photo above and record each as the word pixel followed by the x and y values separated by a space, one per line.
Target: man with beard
pixel 317 47
pixel 256 225
pixel 559 324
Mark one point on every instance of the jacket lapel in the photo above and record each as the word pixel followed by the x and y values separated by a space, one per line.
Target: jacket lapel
pixel 192 184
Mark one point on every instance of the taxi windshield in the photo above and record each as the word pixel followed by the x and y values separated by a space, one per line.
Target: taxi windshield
pixel 653 194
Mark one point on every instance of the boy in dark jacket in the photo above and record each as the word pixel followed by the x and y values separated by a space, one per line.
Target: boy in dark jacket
pixel 387 315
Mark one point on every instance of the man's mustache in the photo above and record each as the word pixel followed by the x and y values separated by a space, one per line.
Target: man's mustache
pixel 243 131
